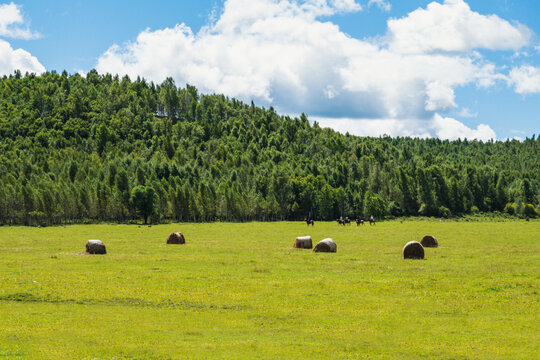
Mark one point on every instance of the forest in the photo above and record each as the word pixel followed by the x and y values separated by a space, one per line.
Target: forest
pixel 104 148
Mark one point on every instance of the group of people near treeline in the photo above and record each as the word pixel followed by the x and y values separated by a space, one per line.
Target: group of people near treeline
pixel 345 221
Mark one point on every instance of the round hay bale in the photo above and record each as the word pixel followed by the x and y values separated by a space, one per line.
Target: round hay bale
pixel 303 242
pixel 326 245
pixel 413 250
pixel 95 247
pixel 429 241
pixel 176 238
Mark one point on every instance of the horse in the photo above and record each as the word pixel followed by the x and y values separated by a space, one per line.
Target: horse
pixel 347 221
pixel 341 222
pixel 309 222
pixel 371 221
pixel 359 221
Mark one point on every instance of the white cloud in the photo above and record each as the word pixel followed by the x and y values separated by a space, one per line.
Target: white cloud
pixel 520 132
pixel 282 53
pixel 330 92
pixel 346 5
pixel 467 113
pixel 273 51
pixel 454 27
pixel 437 126
pixel 381 4
pixel 11 21
pixel 520 135
pixel 377 127
pixel 525 79
pixel 451 129
pixel 242 14
pixel 11 60
pixel 439 97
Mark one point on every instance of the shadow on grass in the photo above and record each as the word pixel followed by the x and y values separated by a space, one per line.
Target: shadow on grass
pixel 167 303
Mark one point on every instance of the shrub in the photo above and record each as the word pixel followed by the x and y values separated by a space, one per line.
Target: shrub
pixel 510 209
pixel 444 212
pixel 529 211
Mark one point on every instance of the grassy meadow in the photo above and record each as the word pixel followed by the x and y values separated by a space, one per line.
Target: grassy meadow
pixel 239 291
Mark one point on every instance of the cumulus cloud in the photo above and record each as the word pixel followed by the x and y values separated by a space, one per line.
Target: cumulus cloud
pixel 451 129
pixel 377 127
pixel 11 60
pixel 439 97
pixel 438 126
pixel 381 4
pixel 272 51
pixel 467 113
pixel 12 23
pixel 284 53
pixel 346 5
pixel 454 27
pixel 525 79
pixel 10 26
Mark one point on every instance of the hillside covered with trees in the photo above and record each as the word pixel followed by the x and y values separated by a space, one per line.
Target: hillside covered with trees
pixel 104 148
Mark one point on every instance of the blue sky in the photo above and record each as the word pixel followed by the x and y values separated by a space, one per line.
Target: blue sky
pixel 340 61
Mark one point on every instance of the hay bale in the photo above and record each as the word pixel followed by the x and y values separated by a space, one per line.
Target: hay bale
pixel 413 250
pixel 176 238
pixel 429 241
pixel 326 245
pixel 95 247
pixel 303 242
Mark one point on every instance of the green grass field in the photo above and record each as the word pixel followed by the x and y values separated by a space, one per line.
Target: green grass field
pixel 239 291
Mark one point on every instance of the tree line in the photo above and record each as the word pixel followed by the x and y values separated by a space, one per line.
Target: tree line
pixel 104 148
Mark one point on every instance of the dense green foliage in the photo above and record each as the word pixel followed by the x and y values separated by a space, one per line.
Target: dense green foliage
pixel 240 291
pixel 74 148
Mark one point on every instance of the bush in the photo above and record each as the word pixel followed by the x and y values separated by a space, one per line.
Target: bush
pixel 444 212
pixel 474 210
pixel 510 209
pixel 529 211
